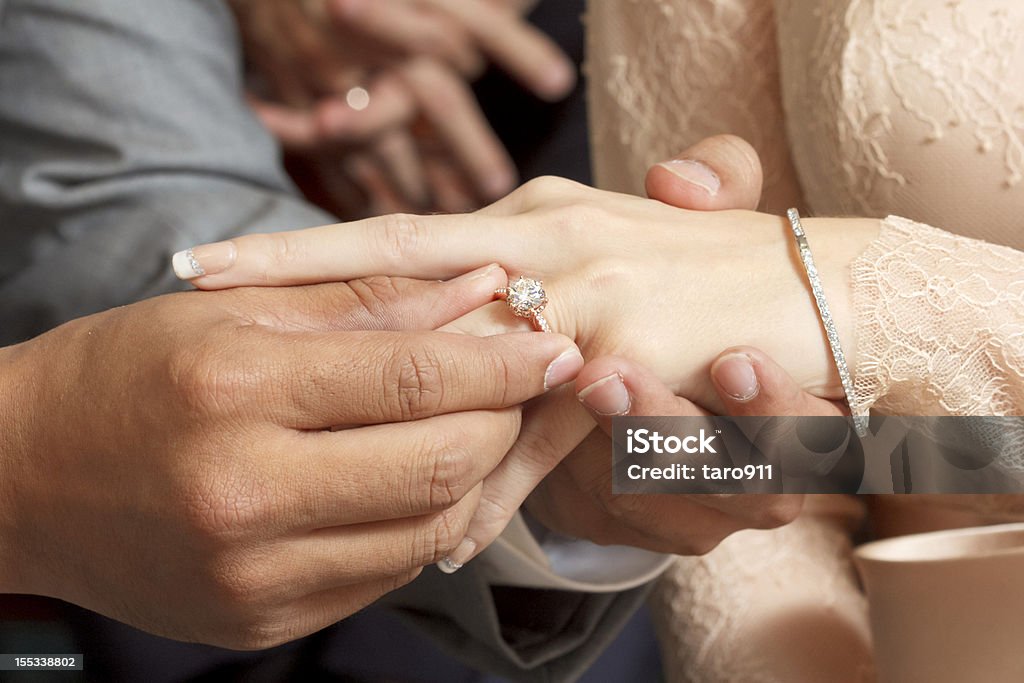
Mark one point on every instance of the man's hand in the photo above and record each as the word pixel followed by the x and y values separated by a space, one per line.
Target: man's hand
pixel 171 464
pixel 576 498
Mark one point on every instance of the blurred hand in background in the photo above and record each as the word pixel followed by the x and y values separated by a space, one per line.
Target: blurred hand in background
pixel 371 101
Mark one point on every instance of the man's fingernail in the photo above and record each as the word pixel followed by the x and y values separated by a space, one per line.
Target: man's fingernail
pixel 563 369
pixel 607 396
pixel 735 374
pixel 208 259
pixel 457 559
pixel 695 173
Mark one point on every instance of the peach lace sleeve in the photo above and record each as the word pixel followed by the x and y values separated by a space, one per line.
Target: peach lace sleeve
pixel 939 324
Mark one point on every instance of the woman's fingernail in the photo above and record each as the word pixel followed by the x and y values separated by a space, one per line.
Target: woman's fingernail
pixel 695 173
pixel 607 396
pixel 563 369
pixel 208 259
pixel 458 558
pixel 735 374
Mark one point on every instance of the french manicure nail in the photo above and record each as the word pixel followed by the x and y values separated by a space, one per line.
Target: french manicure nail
pixel 563 369
pixel 458 558
pixel 208 259
pixel 607 396
pixel 735 374
pixel 695 173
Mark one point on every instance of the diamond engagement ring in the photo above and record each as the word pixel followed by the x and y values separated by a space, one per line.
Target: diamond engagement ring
pixel 527 299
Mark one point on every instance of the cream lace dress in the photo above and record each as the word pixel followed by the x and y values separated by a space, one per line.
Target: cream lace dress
pixel 910 108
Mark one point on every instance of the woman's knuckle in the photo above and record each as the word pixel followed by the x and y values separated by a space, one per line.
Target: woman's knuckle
pixel 576 221
pixel 401 237
pixel 606 274
pixel 547 189
pixel 283 250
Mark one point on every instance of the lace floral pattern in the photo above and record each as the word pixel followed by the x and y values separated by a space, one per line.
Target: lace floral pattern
pixel 940 324
pixel 666 74
pixel 908 107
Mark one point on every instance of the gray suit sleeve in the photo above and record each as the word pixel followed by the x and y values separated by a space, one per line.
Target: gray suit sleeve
pixel 124 137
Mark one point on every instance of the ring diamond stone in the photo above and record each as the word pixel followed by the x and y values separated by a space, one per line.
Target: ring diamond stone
pixel 527 299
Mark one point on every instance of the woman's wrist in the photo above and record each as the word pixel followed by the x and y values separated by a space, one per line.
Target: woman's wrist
pixel 836 243
pixel 778 312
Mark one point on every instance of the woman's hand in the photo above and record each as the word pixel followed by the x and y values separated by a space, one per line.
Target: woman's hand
pixel 626 276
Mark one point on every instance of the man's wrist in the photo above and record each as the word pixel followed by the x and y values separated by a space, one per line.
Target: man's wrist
pixel 12 450
pixel 38 390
